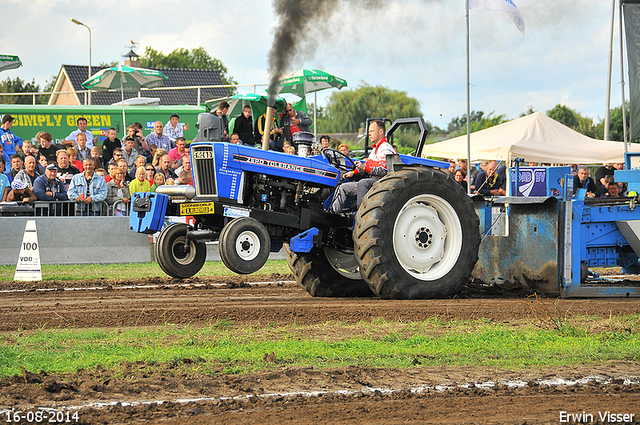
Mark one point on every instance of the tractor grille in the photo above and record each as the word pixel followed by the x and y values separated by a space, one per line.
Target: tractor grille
pixel 204 171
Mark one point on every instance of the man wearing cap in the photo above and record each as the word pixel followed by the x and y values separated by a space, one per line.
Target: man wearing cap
pixel 49 187
pixel 71 139
pixel 21 193
pixel 8 140
pixel 173 129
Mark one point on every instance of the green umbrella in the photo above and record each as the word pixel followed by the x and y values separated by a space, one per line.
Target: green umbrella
pixel 236 102
pixel 306 81
pixel 126 79
pixel 9 62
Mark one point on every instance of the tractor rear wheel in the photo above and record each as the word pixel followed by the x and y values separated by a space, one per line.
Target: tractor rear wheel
pixel 170 252
pixel 325 272
pixel 416 235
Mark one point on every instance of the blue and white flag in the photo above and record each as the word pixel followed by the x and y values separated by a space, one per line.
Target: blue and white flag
pixel 506 6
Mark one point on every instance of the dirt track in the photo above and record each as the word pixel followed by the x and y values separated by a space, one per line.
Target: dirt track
pixel 421 395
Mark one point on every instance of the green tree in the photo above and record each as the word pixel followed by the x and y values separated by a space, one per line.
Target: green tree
pixel 479 121
pixel 564 115
pixel 20 86
pixel 348 110
pixel 197 58
pixel 577 122
pixel 615 123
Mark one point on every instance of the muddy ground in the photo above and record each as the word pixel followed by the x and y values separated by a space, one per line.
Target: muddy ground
pixel 130 394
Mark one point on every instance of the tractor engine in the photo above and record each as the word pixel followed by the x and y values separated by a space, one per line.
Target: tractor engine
pixel 273 193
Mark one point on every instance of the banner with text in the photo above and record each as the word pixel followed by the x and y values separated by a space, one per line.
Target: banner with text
pixel 631 12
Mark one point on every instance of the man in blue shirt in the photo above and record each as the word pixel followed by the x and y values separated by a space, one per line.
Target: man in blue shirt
pixel 9 140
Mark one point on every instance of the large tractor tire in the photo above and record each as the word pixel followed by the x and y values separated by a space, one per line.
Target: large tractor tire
pixel 172 259
pixel 244 245
pixel 327 273
pixel 416 235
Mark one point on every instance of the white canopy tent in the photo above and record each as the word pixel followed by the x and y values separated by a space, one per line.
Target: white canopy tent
pixel 535 138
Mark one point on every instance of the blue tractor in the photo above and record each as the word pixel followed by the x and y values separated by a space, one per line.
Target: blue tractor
pixel 416 235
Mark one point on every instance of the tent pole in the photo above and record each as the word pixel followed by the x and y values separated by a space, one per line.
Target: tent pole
pixel 468 105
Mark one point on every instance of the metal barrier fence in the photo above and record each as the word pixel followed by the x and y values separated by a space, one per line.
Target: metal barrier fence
pixel 59 209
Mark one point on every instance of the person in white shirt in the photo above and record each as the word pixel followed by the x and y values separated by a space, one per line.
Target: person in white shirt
pixel 173 129
pixel 71 139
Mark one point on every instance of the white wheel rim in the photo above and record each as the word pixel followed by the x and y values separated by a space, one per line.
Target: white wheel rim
pixel 188 259
pixel 427 237
pixel 248 245
pixel 344 263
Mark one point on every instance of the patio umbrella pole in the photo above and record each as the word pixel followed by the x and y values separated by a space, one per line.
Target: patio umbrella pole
pixel 271 102
pixel 124 119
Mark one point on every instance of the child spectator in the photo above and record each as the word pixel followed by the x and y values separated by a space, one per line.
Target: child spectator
pixel 140 183
pixel 28 150
pixel 101 172
pixel 83 150
pixel 158 180
pixel 110 143
pixel 96 155
pixel 141 161
pixel 73 158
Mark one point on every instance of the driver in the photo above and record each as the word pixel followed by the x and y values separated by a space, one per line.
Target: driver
pixel 374 167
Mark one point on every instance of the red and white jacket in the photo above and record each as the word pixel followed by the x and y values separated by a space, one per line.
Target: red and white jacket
pixel 376 164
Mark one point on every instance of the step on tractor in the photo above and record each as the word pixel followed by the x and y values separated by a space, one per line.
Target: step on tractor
pixel 416 234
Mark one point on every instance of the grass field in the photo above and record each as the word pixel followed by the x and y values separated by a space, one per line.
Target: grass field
pixel 133 270
pixel 222 347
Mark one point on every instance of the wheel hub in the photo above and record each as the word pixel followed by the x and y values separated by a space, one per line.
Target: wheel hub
pixel 248 245
pixel 424 237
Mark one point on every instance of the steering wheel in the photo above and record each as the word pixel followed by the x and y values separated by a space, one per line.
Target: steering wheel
pixel 333 156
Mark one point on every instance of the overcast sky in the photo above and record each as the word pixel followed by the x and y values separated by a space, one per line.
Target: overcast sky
pixel 416 46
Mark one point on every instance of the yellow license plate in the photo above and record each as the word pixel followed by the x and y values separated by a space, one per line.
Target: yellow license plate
pixel 196 209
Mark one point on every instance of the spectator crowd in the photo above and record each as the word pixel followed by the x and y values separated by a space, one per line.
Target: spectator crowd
pixel 82 169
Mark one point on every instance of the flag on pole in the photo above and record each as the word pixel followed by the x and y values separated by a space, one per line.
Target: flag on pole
pixel 506 6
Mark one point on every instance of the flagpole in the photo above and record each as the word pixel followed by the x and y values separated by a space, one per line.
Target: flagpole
pixel 607 113
pixel 624 106
pixel 468 106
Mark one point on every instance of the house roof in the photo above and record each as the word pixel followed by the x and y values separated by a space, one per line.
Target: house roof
pixel 178 77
